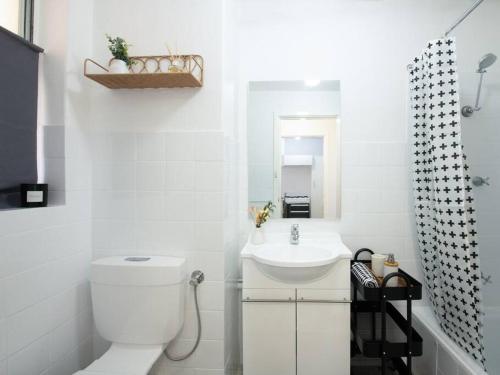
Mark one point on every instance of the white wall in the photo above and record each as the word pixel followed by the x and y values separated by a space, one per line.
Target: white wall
pixel 234 211
pixel 296 180
pixel 481 138
pixel 159 161
pixel 367 46
pixel 317 191
pixel 164 181
pixel 303 146
pixel 167 146
pixel 45 311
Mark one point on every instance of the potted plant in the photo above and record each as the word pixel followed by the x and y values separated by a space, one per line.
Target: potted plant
pixel 260 217
pixel 121 62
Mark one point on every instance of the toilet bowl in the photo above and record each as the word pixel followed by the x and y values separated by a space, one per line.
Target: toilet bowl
pixel 138 305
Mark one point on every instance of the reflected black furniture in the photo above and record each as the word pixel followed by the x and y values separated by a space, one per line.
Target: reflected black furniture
pixel 296 206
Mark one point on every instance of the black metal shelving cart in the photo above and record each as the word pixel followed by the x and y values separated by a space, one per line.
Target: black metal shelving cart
pixel 374 340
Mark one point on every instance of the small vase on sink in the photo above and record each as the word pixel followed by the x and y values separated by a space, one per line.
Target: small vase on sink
pixel 258 236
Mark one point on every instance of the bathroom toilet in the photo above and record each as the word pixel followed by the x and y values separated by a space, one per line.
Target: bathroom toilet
pixel 138 305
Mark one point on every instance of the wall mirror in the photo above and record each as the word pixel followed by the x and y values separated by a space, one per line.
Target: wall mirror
pixel 294 147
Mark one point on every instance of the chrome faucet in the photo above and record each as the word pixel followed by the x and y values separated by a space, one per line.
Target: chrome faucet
pixel 294 234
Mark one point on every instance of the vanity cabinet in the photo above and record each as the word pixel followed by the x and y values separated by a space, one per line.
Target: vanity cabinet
pixel 323 332
pixel 296 305
pixel 296 332
pixel 269 332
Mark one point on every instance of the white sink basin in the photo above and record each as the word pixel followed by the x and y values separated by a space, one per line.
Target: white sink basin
pixel 292 255
pixel 307 261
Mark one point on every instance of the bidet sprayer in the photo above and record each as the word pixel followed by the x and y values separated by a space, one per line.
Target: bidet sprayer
pixel 197 277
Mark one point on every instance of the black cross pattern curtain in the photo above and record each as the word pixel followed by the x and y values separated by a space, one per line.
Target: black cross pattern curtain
pixel 444 205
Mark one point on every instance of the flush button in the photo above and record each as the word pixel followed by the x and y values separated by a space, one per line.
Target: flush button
pixel 137 259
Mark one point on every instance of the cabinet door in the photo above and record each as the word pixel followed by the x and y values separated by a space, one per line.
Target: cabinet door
pixel 323 333
pixel 269 335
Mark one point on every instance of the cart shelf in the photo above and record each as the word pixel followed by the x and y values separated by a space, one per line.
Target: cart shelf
pixel 370 341
pixel 376 341
pixel 401 292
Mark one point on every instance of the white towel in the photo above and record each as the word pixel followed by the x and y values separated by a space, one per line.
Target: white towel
pixel 364 275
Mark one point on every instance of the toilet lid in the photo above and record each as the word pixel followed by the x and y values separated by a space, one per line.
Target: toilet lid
pixel 123 359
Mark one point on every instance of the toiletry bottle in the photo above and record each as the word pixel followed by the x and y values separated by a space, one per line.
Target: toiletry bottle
pixel 391 266
pixel 378 261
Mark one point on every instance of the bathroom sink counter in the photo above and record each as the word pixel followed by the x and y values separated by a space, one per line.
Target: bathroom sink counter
pixel 296 300
pixel 314 249
pixel 279 264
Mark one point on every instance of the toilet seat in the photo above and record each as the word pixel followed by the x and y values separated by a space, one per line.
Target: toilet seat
pixel 124 359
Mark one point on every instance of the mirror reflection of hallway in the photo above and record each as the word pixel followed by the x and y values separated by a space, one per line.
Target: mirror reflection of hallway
pixel 280 114
pixel 302 177
pixel 306 158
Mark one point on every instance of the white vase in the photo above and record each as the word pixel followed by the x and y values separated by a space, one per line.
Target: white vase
pixel 118 67
pixel 258 236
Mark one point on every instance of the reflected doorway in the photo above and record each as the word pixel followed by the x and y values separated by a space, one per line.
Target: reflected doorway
pixel 302 173
pixel 306 165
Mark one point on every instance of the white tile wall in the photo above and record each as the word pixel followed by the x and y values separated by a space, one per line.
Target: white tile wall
pixel 180 218
pixel 169 210
pixel 376 193
pixel 43 288
pixel 45 310
pixel 180 175
pixel 179 146
pixel 440 355
pixel 371 67
pixel 156 177
pixel 481 138
pixel 234 208
pixel 151 147
pixel 159 190
pixel 209 146
pixel 150 176
pixel 159 167
pixel 169 168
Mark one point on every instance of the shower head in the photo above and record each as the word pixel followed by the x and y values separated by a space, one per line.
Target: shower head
pixel 486 61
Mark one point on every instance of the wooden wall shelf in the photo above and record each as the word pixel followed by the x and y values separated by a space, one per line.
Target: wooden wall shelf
pixel 150 72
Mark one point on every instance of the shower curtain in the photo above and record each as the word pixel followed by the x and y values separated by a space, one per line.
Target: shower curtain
pixel 444 205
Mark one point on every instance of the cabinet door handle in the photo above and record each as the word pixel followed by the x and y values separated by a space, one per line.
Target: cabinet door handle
pixel 304 300
pixel 248 299
pixel 291 300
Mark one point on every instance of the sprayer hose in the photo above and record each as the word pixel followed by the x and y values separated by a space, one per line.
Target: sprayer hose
pixel 198 338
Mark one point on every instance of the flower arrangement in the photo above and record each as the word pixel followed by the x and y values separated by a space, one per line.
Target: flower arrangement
pixel 262 215
pixel 119 49
pixel 177 61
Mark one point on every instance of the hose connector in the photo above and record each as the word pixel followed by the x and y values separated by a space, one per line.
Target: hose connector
pixel 197 277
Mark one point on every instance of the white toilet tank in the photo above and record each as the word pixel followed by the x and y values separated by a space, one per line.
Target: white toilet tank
pixel 138 300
